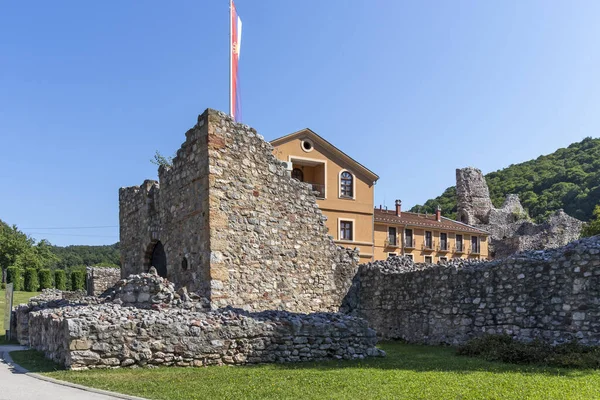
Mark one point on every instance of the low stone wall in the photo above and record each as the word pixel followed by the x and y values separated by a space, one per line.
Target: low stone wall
pixel 109 336
pixel 101 278
pixel 553 295
pixel 49 298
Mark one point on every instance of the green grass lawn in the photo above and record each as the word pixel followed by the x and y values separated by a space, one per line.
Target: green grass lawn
pixel 18 298
pixel 408 372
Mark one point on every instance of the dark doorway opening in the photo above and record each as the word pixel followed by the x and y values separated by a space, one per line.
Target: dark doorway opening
pixel 159 259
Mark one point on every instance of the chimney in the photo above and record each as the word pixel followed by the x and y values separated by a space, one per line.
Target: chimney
pixel 438 214
pixel 398 207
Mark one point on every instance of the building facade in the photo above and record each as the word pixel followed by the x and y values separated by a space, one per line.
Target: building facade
pixel 426 238
pixel 344 187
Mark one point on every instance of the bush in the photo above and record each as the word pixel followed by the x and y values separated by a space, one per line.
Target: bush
pixel 3 285
pixel 45 277
pixel 505 349
pixel 60 279
pixel 31 280
pixel 77 280
pixel 13 275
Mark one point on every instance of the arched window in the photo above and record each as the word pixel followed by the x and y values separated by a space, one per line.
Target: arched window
pixel 346 184
pixel 298 174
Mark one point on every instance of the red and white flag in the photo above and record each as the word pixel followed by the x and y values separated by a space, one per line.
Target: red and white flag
pixel 235 35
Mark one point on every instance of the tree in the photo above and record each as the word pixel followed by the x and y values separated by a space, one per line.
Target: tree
pixel 593 227
pixel 12 244
pixel 569 179
pixel 162 161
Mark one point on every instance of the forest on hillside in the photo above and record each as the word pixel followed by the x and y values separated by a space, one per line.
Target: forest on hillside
pixel 21 251
pixel 569 179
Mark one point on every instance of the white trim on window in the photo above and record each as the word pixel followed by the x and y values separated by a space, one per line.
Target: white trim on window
pixel 412 257
pixel 428 262
pixel 339 232
pixel 392 255
pixel 340 185
pixel 387 237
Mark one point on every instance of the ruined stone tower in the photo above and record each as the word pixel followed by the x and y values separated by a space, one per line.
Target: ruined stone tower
pixel 228 222
pixel 510 227
pixel 473 196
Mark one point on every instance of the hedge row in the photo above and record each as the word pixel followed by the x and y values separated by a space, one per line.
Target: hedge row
pixel 32 280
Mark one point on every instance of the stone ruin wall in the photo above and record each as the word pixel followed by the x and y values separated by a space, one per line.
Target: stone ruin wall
pixel 99 337
pixel 142 321
pixel 98 279
pixel 252 236
pixel 509 227
pixel 553 295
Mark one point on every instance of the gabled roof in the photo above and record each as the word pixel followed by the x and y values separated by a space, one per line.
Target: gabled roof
pixel 306 132
pixel 424 221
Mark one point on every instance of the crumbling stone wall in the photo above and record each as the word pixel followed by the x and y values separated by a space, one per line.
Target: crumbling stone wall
pixel 98 279
pixel 236 228
pixel 109 336
pixel 49 298
pixel 552 295
pixel 510 229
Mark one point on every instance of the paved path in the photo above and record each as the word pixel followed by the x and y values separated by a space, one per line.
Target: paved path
pixel 15 385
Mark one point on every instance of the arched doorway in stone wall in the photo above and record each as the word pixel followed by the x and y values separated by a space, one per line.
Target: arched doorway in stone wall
pixel 158 259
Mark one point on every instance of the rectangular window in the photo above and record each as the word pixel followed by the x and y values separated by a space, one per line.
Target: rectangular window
pixel 392 255
pixel 428 259
pixel 346 230
pixel 443 259
pixel 474 244
pixel 428 240
pixel 392 235
pixel 408 235
pixel 409 256
pixel 443 241
pixel 459 243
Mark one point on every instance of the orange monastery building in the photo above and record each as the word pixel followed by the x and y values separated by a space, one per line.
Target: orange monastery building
pixel 346 196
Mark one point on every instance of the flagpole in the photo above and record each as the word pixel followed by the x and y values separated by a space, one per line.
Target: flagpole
pixel 230 57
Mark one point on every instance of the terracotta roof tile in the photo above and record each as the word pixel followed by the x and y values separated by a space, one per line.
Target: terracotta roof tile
pixel 424 221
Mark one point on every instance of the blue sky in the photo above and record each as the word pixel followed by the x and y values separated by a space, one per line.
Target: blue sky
pixel 413 90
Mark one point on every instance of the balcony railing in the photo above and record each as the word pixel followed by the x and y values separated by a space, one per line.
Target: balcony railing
pixel 319 188
pixel 409 243
pixel 459 248
pixel 429 246
pixel 391 242
pixel 474 250
pixel 443 247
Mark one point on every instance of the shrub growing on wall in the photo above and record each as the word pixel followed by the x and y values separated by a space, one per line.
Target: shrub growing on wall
pixel 31 280
pixel 77 280
pixel 60 279
pixel 45 277
pixel 13 275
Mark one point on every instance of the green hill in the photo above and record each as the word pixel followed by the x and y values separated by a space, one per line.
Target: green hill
pixel 70 256
pixel 569 179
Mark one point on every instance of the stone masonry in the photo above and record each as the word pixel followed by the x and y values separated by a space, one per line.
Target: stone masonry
pixel 109 336
pixel 553 295
pixel 99 279
pixel 232 226
pixel 510 229
pixel 142 321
